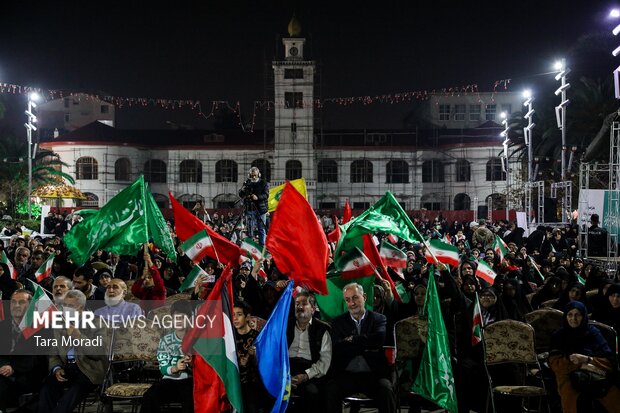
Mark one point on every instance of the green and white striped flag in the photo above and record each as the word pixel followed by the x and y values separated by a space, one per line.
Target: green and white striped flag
pixel 193 276
pixel 199 246
pixel 40 303
pixel 249 246
pixel 45 270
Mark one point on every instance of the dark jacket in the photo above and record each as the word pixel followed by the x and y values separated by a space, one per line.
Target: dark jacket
pixel 597 241
pixel 316 329
pixel 368 344
pixel 261 190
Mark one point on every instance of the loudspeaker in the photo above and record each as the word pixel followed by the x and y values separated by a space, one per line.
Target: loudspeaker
pixel 551 210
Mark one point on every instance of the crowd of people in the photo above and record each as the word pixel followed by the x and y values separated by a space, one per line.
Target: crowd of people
pixel 329 359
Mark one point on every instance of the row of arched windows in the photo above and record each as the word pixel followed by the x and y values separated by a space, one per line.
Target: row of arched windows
pixel 226 170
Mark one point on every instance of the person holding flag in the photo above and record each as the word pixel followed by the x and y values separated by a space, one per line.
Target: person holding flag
pixel 7 284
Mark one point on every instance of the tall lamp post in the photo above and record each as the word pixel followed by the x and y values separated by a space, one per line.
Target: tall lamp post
pixel 32 119
pixel 504 134
pixel 527 134
pixel 560 110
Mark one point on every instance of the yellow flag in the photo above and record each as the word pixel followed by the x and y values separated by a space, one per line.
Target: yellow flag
pixel 276 192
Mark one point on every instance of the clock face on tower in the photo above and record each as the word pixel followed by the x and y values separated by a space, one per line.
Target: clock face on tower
pixel 293 51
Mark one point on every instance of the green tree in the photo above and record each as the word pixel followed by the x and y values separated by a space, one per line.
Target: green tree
pixel 46 169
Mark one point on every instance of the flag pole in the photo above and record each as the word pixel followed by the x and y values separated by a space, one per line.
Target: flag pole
pixel 430 251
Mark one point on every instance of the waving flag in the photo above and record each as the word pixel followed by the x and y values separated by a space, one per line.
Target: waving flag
pixel 297 241
pixel 355 265
pixel 216 372
pixel 392 256
pixel 249 246
pixel 199 246
pixel 346 215
pixel 445 253
pixel 500 248
pixel 485 272
pixel 476 331
pixel 272 352
pixel 193 276
pixel 122 226
pixel 5 260
pixel 45 270
pixel 276 193
pixel 40 303
pixel 435 380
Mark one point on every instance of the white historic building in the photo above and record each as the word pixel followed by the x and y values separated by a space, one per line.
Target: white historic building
pixel 454 165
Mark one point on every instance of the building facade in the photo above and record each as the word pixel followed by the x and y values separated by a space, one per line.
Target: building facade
pixel 453 165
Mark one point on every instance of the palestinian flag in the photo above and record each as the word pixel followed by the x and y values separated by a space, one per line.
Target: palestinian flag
pixel 254 249
pixel 216 371
pixel 500 248
pixel 476 331
pixel 40 303
pixel 485 272
pixel 193 276
pixel 392 256
pixel 445 253
pixel 356 265
pixel 5 260
pixel 46 269
pixel 199 246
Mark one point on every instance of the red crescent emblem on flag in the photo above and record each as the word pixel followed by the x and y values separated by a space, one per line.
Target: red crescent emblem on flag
pixel 356 263
pixel 199 245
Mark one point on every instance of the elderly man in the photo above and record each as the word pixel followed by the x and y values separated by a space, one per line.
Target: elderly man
pixel 21 370
pixel 360 365
pixel 76 370
pixel 310 352
pixel 61 286
pixel 116 307
pixel 24 267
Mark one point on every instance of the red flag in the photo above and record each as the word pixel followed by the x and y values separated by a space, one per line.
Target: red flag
pixel 334 236
pixel 188 225
pixel 346 215
pixel 297 241
pixel 371 251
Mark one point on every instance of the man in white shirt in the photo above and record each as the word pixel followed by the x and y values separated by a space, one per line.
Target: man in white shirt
pixel 310 353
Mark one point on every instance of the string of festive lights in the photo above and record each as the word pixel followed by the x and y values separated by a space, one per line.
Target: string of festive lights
pixel 268 105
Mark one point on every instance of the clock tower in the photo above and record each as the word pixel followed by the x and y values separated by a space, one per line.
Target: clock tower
pixel 294 113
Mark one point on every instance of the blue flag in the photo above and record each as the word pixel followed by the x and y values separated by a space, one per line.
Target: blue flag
pixel 272 353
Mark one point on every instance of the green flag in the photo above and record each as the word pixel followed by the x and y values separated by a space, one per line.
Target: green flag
pixel 386 215
pixel 121 226
pixel 435 380
pixel 332 305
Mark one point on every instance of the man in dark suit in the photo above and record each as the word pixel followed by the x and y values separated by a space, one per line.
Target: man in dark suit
pixel 21 369
pixel 359 362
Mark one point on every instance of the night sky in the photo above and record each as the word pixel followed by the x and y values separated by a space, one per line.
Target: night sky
pixel 220 50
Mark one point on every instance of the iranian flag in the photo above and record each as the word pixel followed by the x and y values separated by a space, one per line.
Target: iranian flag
pixel 535 265
pixel 45 270
pixel 500 247
pixel 5 260
pixel 248 246
pixel 445 253
pixel 392 256
pixel 356 265
pixel 476 331
pixel 193 276
pixel 216 373
pixel 485 272
pixel 40 303
pixel 199 246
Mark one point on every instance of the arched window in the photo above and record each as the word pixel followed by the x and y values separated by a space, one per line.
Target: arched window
pixel 190 170
pixel 462 202
pixel 86 168
pixel 225 201
pixel 155 171
pixel 463 170
pixel 432 202
pixel 361 171
pixel 496 201
pixel 293 170
pixel 122 170
pixel 495 171
pixel 161 200
pixel 327 171
pixel 264 167
pixel 397 172
pixel 189 200
pixel 91 201
pixel 226 171
pixel 432 171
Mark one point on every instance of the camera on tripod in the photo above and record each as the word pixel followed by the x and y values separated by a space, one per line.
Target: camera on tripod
pixel 245 190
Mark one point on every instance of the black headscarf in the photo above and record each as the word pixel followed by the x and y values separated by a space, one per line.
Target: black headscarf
pixel 584 339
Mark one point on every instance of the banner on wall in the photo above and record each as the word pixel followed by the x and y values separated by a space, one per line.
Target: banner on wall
pixel 599 202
